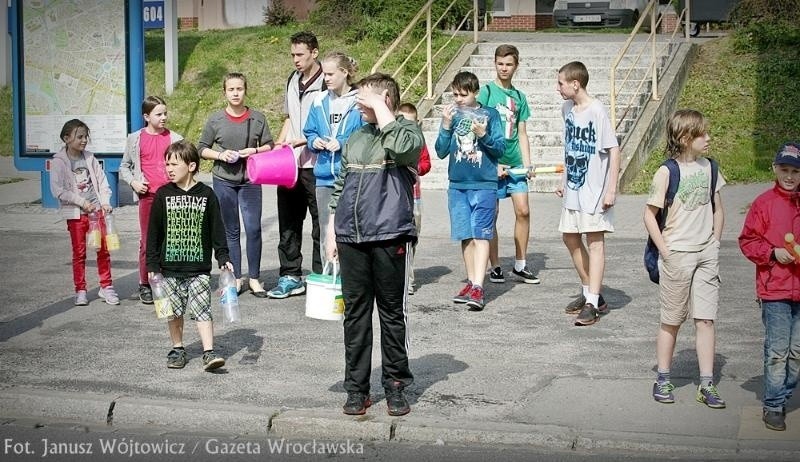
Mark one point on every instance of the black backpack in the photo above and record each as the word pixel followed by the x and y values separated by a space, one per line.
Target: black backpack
pixel 650 250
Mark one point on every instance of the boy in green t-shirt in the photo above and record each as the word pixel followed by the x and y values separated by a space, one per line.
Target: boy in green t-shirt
pixel 514 113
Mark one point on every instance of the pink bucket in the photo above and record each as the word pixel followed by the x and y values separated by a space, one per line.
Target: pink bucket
pixel 277 167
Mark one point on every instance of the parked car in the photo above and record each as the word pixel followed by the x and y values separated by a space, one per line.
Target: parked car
pixel 609 13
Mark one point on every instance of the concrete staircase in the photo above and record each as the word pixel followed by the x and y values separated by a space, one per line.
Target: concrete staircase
pixel 536 78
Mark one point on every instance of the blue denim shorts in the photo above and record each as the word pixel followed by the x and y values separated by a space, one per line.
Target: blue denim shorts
pixel 472 213
pixel 511 184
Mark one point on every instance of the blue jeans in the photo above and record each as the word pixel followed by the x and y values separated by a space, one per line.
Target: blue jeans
pixel 781 351
pixel 248 196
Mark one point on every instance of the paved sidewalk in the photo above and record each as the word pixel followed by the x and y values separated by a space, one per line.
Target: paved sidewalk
pixel 518 373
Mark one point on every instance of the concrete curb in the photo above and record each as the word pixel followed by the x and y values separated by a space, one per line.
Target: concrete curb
pixel 327 424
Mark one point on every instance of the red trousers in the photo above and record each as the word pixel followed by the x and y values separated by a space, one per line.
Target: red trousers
pixel 77 233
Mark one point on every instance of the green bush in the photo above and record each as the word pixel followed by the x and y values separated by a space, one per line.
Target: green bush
pixel 277 14
pixel 770 11
pixel 758 36
pixel 380 20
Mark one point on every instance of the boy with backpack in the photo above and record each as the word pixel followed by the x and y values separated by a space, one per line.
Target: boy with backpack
pixel 688 246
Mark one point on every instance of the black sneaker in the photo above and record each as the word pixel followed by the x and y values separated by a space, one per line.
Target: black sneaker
pixel 602 306
pixel 526 276
pixel 357 403
pixel 145 294
pixel 588 315
pixel 497 275
pixel 211 361
pixel 576 305
pixel 774 420
pixel 396 402
pixel 176 358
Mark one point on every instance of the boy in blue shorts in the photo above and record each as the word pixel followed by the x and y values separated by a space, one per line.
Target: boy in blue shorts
pixel 472 136
pixel 514 113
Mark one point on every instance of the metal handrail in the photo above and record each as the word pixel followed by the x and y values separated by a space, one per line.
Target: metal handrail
pixel 613 103
pixel 652 70
pixel 428 65
pixel 426 10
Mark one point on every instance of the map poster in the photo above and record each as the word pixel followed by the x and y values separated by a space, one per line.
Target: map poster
pixel 74 68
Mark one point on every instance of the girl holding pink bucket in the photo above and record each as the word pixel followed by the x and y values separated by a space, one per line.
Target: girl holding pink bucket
pixel 229 137
pixel 332 118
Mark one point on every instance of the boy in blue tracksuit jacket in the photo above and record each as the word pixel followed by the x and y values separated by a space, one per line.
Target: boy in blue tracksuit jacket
pixel 472 135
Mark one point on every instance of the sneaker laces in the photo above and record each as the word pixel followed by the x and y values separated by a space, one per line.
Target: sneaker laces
pixel 286 282
pixel 665 387
pixel 711 390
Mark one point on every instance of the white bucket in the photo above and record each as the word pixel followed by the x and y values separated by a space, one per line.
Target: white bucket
pixel 324 294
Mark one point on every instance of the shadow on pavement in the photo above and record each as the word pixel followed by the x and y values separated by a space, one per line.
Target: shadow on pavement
pixel 427 370
pixel 22 324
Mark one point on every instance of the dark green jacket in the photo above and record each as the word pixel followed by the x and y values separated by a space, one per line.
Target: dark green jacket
pixel 372 196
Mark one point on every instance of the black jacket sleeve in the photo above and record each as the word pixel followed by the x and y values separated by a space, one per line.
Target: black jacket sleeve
pixel 156 232
pixel 218 240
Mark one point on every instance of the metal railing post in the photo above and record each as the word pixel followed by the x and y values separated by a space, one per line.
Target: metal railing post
pixel 688 23
pixel 429 93
pixel 475 22
pixel 613 101
pixel 653 62
pixel 402 35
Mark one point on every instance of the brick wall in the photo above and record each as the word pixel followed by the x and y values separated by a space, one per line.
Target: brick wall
pixel 521 23
pixel 544 21
pixel 669 22
pixel 509 23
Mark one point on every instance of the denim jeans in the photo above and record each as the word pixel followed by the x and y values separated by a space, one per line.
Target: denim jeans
pixel 231 197
pixel 781 351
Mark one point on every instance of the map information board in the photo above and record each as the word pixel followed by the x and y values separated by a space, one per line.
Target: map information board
pixel 70 73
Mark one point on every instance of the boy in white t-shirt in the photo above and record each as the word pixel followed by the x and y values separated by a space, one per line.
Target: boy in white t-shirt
pixel 589 189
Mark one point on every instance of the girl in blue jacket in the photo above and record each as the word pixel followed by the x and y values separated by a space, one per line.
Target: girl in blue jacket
pixel 331 120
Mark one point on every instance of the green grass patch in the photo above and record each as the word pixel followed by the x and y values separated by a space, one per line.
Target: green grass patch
pixel 6 122
pixel 750 99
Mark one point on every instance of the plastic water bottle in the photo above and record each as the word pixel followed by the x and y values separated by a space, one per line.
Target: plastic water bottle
pixel 112 238
pixel 93 238
pixel 160 298
pixel 228 297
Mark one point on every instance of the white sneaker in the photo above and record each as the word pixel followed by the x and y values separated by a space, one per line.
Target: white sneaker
pixel 109 295
pixel 80 298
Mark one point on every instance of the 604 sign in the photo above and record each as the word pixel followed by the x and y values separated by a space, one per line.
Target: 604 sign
pixel 153 14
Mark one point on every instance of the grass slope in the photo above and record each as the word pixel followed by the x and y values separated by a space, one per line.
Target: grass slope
pixel 750 101
pixel 262 54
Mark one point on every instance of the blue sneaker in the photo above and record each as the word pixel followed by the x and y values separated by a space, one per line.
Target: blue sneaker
pixel 287 285
pixel 708 395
